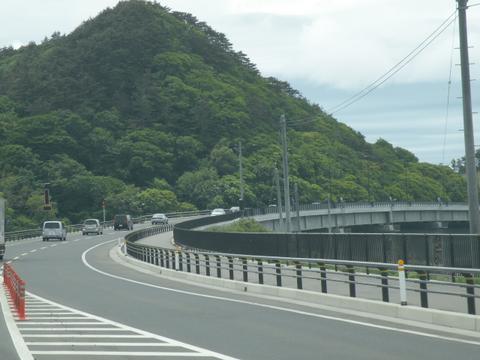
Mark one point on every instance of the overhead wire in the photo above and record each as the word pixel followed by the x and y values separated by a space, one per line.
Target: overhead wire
pixel 449 87
pixel 396 68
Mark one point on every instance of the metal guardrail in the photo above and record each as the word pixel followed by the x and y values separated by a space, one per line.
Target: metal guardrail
pixel 315 273
pixel 31 233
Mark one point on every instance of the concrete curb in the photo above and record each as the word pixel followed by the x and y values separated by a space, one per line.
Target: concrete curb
pixel 389 310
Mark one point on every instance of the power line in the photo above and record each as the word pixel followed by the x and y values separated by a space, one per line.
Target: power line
pixel 447 108
pixel 397 67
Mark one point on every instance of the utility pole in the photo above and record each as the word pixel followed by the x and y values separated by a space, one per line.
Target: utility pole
pixel 240 165
pixel 103 210
pixel 286 183
pixel 474 214
pixel 279 198
pixel 297 205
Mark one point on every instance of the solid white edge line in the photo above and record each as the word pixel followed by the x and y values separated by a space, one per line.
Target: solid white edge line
pixel 17 339
pixel 273 307
pixel 143 333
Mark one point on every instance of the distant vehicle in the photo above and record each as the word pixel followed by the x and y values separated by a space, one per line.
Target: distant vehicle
pixel 92 226
pixel 159 219
pixel 54 230
pixel 235 209
pixel 123 222
pixel 216 212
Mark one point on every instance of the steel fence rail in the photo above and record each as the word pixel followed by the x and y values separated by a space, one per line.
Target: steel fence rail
pixel 320 274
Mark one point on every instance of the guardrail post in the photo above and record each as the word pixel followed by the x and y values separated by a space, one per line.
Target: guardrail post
pixel 351 280
pixel 278 272
pixel 173 256
pixel 156 256
pixel 260 271
pixel 385 293
pixel 245 269
pixel 230 267
pixel 180 260
pixel 189 264
pixel 21 299
pixel 323 276
pixel 470 293
pixel 167 259
pixel 298 273
pixel 207 265
pixel 162 262
pixel 197 263
pixel 402 282
pixel 219 266
pixel 423 289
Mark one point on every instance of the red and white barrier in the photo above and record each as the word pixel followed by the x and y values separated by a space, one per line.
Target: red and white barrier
pixel 16 289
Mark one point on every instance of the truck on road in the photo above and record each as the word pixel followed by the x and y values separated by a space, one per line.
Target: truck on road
pixel 2 228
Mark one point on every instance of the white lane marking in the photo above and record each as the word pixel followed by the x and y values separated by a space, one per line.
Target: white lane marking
pixel 118 344
pixel 34 250
pixel 70 329
pixel 24 254
pixel 28 323
pixel 141 333
pixel 272 307
pixel 95 336
pixel 53 245
pixel 16 258
pixel 122 353
pixel 9 262
pixel 43 248
pixel 31 317
pixel 17 339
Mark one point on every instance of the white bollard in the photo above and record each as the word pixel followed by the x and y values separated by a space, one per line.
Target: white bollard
pixel 402 282
pixel 177 261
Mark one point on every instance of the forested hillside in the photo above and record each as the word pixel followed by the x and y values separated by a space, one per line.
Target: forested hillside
pixel 143 106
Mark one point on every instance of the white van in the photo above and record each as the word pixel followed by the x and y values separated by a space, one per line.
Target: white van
pixel 54 230
pixel 92 226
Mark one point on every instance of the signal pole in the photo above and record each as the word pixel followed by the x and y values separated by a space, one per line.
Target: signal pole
pixel 240 165
pixel 474 214
pixel 279 197
pixel 286 182
pixel 297 205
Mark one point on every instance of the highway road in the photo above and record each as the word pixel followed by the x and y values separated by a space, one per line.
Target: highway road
pixel 103 310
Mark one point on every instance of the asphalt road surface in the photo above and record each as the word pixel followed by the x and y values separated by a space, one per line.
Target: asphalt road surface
pixel 77 310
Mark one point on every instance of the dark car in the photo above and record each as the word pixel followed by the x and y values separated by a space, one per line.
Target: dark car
pixel 123 222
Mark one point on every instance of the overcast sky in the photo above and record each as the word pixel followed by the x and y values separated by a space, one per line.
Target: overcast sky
pixel 326 49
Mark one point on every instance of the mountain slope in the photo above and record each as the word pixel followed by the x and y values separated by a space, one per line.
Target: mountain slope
pixel 144 107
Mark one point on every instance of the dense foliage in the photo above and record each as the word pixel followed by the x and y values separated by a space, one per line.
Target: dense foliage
pixel 144 107
pixel 241 225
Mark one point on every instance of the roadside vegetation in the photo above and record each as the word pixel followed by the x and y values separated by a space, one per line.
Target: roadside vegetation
pixel 242 225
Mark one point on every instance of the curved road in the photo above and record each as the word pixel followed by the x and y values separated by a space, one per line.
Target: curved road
pixel 227 324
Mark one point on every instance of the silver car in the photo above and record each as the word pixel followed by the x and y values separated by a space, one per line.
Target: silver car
pixel 54 230
pixel 159 219
pixel 92 226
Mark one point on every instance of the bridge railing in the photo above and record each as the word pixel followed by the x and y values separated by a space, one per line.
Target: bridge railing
pixel 450 250
pixel 449 288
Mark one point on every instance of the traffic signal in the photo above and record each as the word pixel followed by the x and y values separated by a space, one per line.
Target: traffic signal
pixel 46 200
